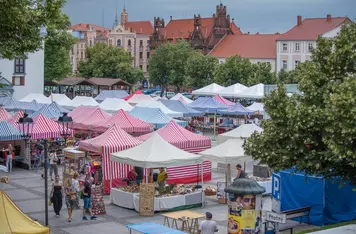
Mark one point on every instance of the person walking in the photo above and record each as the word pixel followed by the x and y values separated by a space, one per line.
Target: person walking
pixel 53 159
pixel 71 197
pixel 75 184
pixel 88 198
pixel 57 195
pixel 9 157
pixel 208 226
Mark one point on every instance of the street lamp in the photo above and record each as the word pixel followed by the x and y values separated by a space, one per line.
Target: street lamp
pixel 26 126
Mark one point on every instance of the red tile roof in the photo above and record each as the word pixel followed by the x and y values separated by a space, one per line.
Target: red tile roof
pixel 311 28
pixel 247 46
pixel 140 27
pixel 85 27
pixel 182 28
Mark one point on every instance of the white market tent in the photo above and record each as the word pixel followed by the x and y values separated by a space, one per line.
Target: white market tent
pixel 229 152
pixel 115 104
pixel 160 105
pixel 154 153
pixel 136 98
pixel 38 97
pixel 257 107
pixel 243 131
pixel 256 91
pixel 83 101
pixel 232 90
pixel 61 99
pixel 209 90
pixel 182 98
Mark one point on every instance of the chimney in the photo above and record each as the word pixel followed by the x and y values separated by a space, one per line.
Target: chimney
pixel 299 20
pixel 328 17
pixel 257 33
pixel 233 20
pixel 171 17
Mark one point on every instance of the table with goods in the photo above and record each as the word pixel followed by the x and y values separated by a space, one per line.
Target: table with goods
pixel 174 197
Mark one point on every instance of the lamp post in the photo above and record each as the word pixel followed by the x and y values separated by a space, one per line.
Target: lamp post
pixel 65 128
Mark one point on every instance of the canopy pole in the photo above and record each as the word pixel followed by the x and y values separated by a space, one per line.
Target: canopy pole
pixel 214 125
pixel 111 169
pixel 202 185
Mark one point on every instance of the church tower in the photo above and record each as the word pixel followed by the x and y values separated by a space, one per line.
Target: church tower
pixel 124 17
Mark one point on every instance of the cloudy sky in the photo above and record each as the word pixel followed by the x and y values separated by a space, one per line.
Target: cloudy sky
pixel 264 16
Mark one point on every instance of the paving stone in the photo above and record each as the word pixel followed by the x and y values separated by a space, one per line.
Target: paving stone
pixel 31 205
pixel 107 228
pixel 31 182
pixel 21 194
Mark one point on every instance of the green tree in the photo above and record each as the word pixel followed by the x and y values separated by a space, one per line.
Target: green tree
pixel 21 21
pixel 262 74
pixel 288 77
pixel 234 70
pixel 57 50
pixel 200 70
pixel 167 64
pixel 107 61
pixel 316 131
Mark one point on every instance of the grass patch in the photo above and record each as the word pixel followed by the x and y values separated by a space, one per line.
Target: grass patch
pixel 328 227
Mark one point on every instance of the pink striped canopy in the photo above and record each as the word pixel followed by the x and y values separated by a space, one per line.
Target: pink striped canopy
pixel 181 138
pixel 15 118
pixel 190 142
pixel 4 115
pixel 222 100
pixel 87 121
pixel 81 112
pixel 113 140
pixel 126 122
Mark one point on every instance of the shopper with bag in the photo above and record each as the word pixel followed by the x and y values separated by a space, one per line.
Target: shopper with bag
pixel 71 198
pixel 56 195
pixel 53 159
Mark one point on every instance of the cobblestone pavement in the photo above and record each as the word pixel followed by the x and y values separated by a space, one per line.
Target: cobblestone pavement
pixel 26 189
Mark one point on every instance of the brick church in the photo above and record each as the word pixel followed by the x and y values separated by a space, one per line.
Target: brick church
pixel 201 33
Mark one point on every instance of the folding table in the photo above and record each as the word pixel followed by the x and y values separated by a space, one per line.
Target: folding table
pixel 152 228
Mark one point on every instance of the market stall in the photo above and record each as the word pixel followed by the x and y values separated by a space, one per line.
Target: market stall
pixel 47 111
pixel 209 90
pixel 189 142
pixel 105 94
pixel 32 106
pixel 13 105
pixel 222 100
pixel 115 104
pixel 179 106
pixel 157 153
pixel 164 109
pixel 113 140
pixel 86 122
pixel 4 115
pixel 38 97
pixel 243 131
pixel 182 98
pixel 126 122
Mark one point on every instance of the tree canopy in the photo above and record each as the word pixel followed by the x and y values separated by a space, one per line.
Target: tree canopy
pixel 107 61
pixel 58 44
pixel 200 70
pixel 316 131
pixel 21 21
pixel 241 70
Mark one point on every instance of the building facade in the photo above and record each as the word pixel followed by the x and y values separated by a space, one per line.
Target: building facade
pixel 131 36
pixel 258 48
pixel 202 33
pixel 25 75
pixel 295 46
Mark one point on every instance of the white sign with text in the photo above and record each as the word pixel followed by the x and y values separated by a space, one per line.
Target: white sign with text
pixel 274 217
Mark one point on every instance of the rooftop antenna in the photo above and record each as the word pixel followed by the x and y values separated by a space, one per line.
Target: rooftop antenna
pixel 102 18
pixel 124 4
pixel 116 18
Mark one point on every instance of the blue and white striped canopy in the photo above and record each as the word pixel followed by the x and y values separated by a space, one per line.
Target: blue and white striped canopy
pixel 12 104
pixel 111 94
pixel 178 106
pixel 47 111
pixel 154 116
pixel 236 109
pixel 58 108
pixel 32 106
pixel 8 132
pixel 207 105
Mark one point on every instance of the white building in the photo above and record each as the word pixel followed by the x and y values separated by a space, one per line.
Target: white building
pixel 295 45
pixel 26 75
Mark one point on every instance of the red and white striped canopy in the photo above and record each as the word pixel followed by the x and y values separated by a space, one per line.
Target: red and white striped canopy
pixel 222 100
pixel 4 115
pixel 87 121
pixel 181 138
pixel 15 118
pixel 131 95
pixel 126 122
pixel 113 140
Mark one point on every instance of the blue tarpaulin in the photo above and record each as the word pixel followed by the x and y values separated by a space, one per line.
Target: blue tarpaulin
pixel 236 109
pixel 330 203
pixel 207 105
pixel 111 94
pixel 154 116
pixel 153 228
pixel 178 106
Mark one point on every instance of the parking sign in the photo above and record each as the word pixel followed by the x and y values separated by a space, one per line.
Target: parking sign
pixel 276 186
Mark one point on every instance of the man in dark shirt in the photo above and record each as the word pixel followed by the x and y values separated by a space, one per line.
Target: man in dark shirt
pixel 139 174
pixel 240 173
pixel 87 198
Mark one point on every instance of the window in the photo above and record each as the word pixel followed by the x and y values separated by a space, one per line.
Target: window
pixel 258 63
pixel 141 67
pixel 118 42
pixel 268 63
pixel 19 66
pixel 148 67
pixel 18 80
pixel 90 43
pixel 141 43
pixel 310 46
pixel 81 55
pixel 284 47
pixel 141 55
pixel 148 55
pixel 297 46
pixel 296 62
pixel 81 46
pixel 284 64
pixel 129 42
